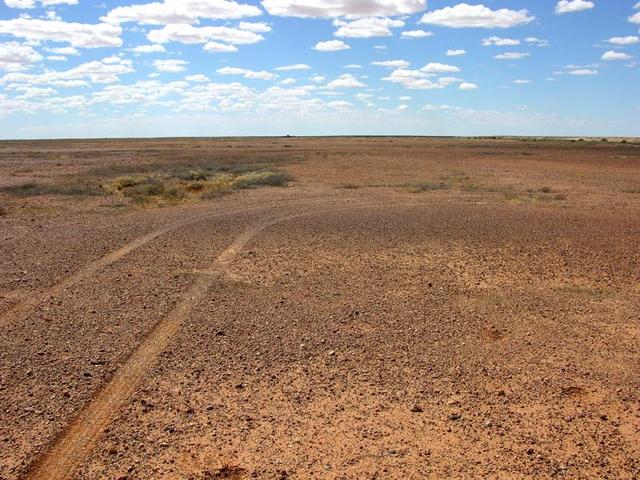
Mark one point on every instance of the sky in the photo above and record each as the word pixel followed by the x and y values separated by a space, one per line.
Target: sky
pixel 130 68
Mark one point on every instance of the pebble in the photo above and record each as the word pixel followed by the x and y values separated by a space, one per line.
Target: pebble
pixel 415 408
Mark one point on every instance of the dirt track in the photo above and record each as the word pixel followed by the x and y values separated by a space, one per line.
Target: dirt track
pixel 342 327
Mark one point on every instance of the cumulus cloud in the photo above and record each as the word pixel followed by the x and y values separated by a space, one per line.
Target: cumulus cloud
pixel 628 40
pixel 455 53
pixel 15 57
pixel 614 56
pixel 345 81
pixel 155 48
pixel 217 47
pixel 500 42
pixel 635 18
pixel 464 15
pixel 343 8
pixel 367 27
pixel 540 42
pixel 439 68
pixel 246 73
pixel 570 6
pixel 32 3
pixel 392 64
pixel 331 46
pixel 583 71
pixel 297 66
pixel 170 66
pixel 106 70
pixel 511 56
pixel 180 11
pixel 189 34
pixel 419 80
pixel 79 35
pixel 416 34
pixel 468 86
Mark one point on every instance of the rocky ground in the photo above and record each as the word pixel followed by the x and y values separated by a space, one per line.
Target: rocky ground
pixel 405 309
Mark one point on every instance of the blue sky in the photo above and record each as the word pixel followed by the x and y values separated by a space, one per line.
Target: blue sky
pixel 80 68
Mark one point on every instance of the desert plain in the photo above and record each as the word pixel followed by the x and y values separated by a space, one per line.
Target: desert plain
pixel 320 308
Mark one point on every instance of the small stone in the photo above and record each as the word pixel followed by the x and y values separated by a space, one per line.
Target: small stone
pixel 455 416
pixel 415 408
pixel 332 353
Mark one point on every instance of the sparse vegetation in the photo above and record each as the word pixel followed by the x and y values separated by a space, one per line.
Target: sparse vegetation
pixel 546 190
pixel 261 179
pixel 350 186
pixel 166 184
pixel 3 211
pixel 33 189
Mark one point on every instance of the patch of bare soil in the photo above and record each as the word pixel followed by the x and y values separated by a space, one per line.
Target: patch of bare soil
pixel 403 308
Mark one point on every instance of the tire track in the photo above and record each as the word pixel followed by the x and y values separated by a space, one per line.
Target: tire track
pixel 73 446
pixel 24 307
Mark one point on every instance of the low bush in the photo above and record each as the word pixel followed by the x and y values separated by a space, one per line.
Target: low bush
pixel 261 179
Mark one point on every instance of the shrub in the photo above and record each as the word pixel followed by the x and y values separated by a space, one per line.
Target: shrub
pixel 261 179
pixel 3 212
pixel 546 190
pixel 33 189
pixel 560 196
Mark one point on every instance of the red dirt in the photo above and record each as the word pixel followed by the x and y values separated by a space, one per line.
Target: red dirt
pixel 342 327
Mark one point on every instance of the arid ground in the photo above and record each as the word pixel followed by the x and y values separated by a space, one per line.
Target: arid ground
pixel 337 308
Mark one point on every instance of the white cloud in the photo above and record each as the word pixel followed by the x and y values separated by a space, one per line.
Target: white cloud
pixel 180 11
pixel 57 58
pixel 317 78
pixel 340 104
pixel 78 35
pixel 287 81
pixel 190 34
pixel 343 8
pixel 540 42
pixel 367 27
pixel 418 80
pixel 583 71
pixel 628 40
pixel 500 42
pixel 468 86
pixel 246 73
pixel 613 56
pixel 256 27
pixel 635 18
pixel 64 51
pixel 353 66
pixel 570 6
pixel 197 78
pixel 15 57
pixel 106 70
pixel 155 48
pixel 455 53
pixel 331 46
pixel 297 66
pixel 345 81
pixel 464 15
pixel 170 66
pixel 392 64
pixel 32 3
pixel 511 56
pixel 416 34
pixel 217 47
pixel 439 68
pixel 521 82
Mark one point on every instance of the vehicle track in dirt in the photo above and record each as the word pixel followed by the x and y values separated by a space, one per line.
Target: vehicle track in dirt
pixel 68 452
pixel 28 304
